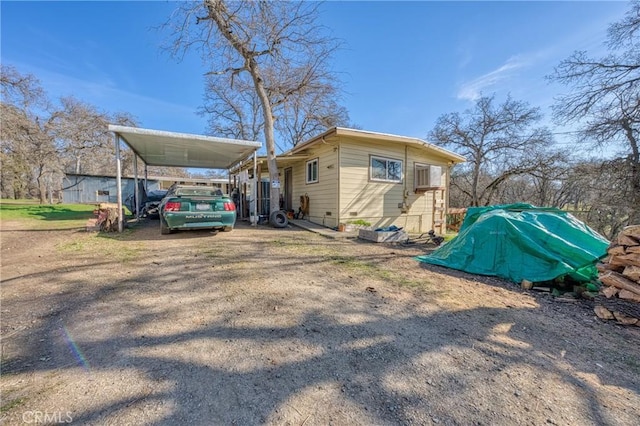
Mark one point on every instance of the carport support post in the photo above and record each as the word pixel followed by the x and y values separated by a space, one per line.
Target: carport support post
pixel 119 182
pixel 136 191
pixel 256 182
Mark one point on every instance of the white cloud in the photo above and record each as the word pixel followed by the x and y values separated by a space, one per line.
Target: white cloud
pixel 472 90
pixel 104 92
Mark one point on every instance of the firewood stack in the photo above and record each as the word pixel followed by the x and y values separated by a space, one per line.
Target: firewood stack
pixel 106 217
pixel 620 276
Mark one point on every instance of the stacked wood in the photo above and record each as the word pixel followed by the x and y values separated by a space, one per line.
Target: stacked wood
pixel 620 276
pixel 107 217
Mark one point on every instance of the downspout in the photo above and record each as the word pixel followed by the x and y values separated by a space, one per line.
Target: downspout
pixel 338 166
pixel 119 182
pixel 405 192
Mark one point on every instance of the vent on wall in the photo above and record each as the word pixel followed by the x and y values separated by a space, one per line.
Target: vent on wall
pixel 327 213
pixel 353 213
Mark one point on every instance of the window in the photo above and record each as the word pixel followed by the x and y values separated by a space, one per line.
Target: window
pixel 103 192
pixel 427 176
pixel 312 171
pixel 385 169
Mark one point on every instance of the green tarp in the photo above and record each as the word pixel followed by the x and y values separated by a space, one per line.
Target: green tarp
pixel 520 241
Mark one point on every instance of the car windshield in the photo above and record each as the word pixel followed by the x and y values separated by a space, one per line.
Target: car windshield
pixel 199 192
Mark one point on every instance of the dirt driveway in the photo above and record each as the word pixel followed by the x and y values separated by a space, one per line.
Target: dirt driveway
pixel 265 326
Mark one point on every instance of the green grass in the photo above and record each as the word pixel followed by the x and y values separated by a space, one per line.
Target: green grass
pixel 48 216
pixel 57 214
pixel 12 404
pixel 373 270
pixel 450 236
pixel 361 222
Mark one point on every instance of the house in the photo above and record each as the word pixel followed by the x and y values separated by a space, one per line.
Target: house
pixel 360 176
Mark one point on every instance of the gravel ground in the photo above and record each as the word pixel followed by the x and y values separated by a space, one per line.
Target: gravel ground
pixel 266 326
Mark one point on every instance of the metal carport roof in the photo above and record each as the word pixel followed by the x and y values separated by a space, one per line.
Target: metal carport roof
pixel 160 148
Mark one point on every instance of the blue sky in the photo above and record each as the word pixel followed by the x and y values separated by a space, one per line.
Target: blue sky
pixel 403 64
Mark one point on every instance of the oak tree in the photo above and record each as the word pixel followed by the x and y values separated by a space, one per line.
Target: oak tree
pixel 276 49
pixel 604 104
pixel 499 142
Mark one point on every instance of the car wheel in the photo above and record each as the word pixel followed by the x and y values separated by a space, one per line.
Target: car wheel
pixel 278 219
pixel 227 229
pixel 164 228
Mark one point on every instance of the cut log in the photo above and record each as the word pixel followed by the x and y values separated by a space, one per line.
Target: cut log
pixel 625 240
pixel 625 260
pixel 627 295
pixel 625 319
pixel 632 231
pixel 609 292
pixel 616 251
pixel 617 280
pixel 633 249
pixel 629 259
pixel 603 313
pixel 606 266
pixel 632 272
pixel 526 285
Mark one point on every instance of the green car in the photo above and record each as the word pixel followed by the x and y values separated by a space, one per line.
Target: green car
pixel 196 207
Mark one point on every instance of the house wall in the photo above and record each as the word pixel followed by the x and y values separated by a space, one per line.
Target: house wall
pixel 384 204
pixel 323 195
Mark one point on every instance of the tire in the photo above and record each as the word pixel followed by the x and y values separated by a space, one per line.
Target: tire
pixel 278 219
pixel 164 229
pixel 227 229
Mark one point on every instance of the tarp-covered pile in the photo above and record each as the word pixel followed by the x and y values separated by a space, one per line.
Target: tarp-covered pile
pixel 522 242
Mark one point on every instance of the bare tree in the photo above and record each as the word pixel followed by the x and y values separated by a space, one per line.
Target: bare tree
pixel 40 140
pixel 593 187
pixel 278 44
pixel 28 149
pixel 604 102
pixel 233 111
pixel 499 142
pixel 311 114
pixel 82 134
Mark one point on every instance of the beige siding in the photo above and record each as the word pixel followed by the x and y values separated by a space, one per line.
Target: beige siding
pixel 378 202
pixel 323 198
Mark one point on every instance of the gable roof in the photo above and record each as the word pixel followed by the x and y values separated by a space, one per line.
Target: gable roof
pixel 368 135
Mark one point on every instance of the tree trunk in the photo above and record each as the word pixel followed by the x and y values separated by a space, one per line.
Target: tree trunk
pixel 634 215
pixel 218 12
pixel 42 192
pixel 274 178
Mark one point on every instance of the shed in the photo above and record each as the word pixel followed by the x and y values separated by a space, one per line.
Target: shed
pixel 85 188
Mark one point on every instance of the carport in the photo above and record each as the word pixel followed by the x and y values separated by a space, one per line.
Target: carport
pixel 170 149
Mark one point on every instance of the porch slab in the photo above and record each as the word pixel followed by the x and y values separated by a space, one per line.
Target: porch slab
pixel 323 230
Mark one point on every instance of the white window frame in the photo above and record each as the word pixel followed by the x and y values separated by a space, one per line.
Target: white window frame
pixel 310 163
pixel 425 176
pixel 387 161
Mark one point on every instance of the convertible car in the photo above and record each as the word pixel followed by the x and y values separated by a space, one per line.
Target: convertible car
pixel 196 207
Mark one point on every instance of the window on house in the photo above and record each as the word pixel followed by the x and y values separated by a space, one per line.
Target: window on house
pixel 385 169
pixel 312 171
pixel 428 176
